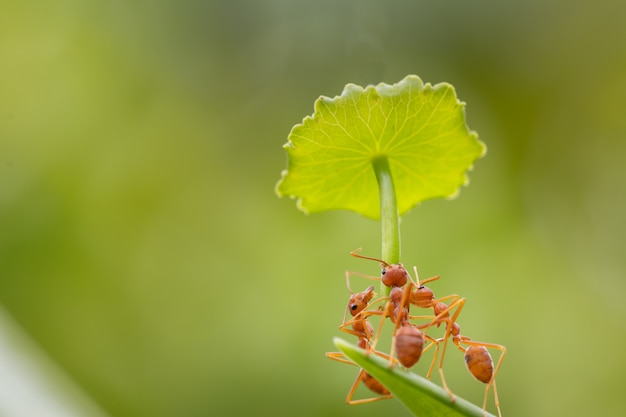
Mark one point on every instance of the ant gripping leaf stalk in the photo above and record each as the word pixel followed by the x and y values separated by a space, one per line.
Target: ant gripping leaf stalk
pixel 379 151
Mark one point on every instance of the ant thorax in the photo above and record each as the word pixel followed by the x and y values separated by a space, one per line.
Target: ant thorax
pixel 422 297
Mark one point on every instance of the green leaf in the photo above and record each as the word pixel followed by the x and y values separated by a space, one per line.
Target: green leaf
pixel 420 396
pixel 420 129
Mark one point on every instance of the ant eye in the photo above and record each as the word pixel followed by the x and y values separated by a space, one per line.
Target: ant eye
pixel 353 307
pixel 384 271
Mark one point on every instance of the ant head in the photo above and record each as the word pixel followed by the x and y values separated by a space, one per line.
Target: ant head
pixel 394 275
pixel 359 301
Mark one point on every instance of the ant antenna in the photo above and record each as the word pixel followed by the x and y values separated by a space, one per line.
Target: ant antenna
pixel 355 253
pixel 417 277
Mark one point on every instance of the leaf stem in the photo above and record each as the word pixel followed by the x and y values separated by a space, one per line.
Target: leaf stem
pixel 388 211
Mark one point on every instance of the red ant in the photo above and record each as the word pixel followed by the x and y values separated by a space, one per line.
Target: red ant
pixel 480 364
pixel 363 330
pixel 477 358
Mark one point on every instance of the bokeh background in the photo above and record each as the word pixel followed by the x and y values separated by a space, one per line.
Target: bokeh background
pixel 148 269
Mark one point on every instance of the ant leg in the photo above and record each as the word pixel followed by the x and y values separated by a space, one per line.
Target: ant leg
pixel 429 318
pixel 421 283
pixel 432 363
pixel 495 397
pixel 372 384
pixel 363 376
pixel 360 328
pixel 451 328
pixel 427 280
pixel 339 357
pixel 384 314
pixel 453 297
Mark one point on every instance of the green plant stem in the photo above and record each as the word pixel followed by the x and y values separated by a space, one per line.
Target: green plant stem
pixel 388 212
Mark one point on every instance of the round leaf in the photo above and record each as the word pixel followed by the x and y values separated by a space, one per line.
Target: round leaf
pixel 420 129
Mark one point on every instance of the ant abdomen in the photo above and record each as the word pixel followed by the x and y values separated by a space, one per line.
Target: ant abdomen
pixel 479 363
pixel 409 343
pixel 373 384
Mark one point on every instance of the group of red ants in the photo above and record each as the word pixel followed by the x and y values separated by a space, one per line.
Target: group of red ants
pixel 408 336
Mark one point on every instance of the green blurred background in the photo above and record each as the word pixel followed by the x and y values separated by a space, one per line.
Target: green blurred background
pixel 143 249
